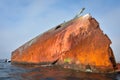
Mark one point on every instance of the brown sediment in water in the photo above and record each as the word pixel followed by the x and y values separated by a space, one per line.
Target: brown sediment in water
pixel 77 44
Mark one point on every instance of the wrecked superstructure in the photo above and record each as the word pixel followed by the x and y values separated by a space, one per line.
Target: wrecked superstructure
pixel 78 44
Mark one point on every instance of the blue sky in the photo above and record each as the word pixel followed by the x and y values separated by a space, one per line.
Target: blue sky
pixel 22 20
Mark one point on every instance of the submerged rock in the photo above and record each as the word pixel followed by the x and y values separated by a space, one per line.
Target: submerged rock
pixel 77 44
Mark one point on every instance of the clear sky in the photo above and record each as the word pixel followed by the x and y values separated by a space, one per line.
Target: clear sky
pixel 22 20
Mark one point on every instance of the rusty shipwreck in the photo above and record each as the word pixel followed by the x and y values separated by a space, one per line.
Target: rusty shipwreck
pixel 78 44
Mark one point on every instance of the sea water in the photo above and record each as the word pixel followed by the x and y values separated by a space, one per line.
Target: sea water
pixel 36 72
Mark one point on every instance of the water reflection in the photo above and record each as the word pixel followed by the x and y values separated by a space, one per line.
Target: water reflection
pixel 27 72
pixel 58 73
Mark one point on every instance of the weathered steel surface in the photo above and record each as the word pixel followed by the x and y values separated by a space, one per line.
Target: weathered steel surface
pixel 118 67
pixel 78 44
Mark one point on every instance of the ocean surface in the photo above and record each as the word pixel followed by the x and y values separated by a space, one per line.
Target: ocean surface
pixel 29 72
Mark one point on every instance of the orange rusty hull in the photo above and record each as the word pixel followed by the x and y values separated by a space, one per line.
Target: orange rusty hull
pixel 78 44
pixel 118 67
